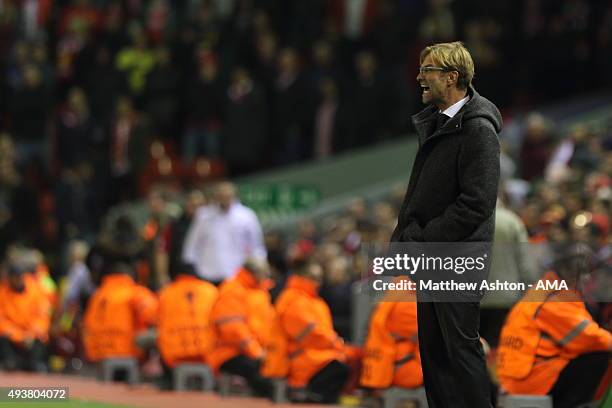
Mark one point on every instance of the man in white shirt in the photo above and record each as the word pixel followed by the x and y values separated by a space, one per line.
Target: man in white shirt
pixel 222 236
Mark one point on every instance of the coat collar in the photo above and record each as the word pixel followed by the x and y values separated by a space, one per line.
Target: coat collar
pixel 425 121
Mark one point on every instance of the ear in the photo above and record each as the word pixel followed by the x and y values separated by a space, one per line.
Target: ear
pixel 453 77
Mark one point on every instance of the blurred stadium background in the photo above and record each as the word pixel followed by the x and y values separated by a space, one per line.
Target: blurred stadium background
pixel 111 107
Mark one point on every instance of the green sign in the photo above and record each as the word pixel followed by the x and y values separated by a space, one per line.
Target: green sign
pixel 279 197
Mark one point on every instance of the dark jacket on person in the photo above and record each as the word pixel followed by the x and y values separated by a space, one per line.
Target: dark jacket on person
pixel 453 186
pixel 244 138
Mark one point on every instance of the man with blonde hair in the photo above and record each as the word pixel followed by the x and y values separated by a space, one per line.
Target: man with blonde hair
pixel 451 198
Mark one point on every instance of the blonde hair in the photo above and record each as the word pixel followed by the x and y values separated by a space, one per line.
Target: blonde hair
pixel 77 250
pixel 453 56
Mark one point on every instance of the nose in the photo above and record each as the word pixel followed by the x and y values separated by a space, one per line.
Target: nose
pixel 418 77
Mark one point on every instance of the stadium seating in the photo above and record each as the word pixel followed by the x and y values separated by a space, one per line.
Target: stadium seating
pixel 395 395
pixel 526 401
pixel 279 395
pixel 112 366
pixel 229 384
pixel 184 372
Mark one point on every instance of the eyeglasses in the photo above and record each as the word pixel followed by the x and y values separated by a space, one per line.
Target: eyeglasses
pixel 426 69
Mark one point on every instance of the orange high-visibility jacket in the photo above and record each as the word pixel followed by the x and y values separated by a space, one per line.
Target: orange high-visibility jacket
pixel 276 364
pixel 392 355
pixel 25 315
pixel 116 312
pixel 542 333
pixel 184 330
pixel 307 322
pixel 242 318
pixel 46 283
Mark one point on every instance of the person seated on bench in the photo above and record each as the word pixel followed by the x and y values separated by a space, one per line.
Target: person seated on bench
pixel 242 318
pixel 25 318
pixel 317 355
pixel 117 312
pixel 184 332
pixel 550 344
pixel 391 352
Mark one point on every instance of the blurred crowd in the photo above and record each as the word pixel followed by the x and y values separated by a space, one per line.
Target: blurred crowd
pixel 101 99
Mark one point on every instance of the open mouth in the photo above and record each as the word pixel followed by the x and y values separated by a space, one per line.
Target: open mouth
pixel 425 88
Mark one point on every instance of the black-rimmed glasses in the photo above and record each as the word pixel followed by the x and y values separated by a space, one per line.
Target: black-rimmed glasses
pixel 426 69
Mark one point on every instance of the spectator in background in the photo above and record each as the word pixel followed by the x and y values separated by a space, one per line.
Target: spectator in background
pixel 152 234
pixel 390 29
pixel 117 312
pixel 130 134
pixel 40 58
pixel 482 38
pixel 276 245
pixel 203 24
pixel 391 351
pixel 536 147
pixel 242 318
pixel 337 293
pixel 10 181
pixel 204 98
pixel 368 98
pixel 244 140
pixel 603 53
pixel 19 56
pixel 162 85
pixel 119 309
pixel 112 30
pixel 36 267
pixel 222 236
pixel 324 65
pixel 136 60
pixel 76 133
pixel 77 197
pixel 333 127
pixel 25 317
pixel 159 20
pixel 511 262
pixel 103 84
pixel 438 24
pixel 30 106
pixel 588 151
pixel 265 61
pixel 550 344
pixel 80 284
pixel 353 19
pixel 70 46
pixel 175 233
pixel 319 354
pixel 185 334
pixel 291 108
pixel 305 20
pixel 81 11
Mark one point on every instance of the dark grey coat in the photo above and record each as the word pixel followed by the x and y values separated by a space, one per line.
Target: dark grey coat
pixel 453 186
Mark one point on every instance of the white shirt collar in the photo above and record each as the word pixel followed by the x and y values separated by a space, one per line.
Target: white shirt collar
pixel 453 109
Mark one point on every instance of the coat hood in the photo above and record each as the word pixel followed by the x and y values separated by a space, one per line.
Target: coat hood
pixel 480 107
pixel 477 108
